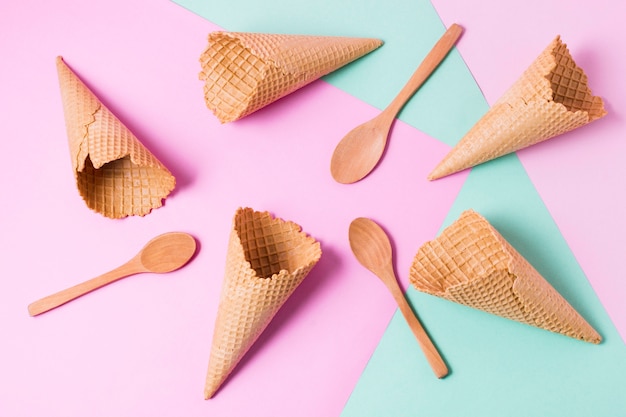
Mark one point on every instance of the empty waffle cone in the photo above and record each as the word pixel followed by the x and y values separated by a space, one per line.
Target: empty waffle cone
pixel 550 98
pixel 472 264
pixel 244 72
pixel 115 174
pixel 266 261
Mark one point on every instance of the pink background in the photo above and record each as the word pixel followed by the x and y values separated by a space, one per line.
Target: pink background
pixel 140 347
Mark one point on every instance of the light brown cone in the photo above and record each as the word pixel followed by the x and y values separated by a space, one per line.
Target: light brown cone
pixel 266 261
pixel 550 98
pixel 115 174
pixel 244 72
pixel 472 264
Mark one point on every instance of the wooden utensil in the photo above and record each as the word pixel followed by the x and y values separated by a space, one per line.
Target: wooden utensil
pixel 372 248
pixel 164 253
pixel 360 150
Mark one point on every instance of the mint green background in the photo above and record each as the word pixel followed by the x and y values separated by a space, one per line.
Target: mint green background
pixel 498 367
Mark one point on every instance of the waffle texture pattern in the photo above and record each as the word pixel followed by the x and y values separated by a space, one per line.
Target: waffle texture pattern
pixel 244 72
pixel 472 264
pixel 551 97
pixel 115 174
pixel 267 259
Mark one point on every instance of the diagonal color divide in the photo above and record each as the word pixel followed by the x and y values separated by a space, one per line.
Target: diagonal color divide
pixel 499 366
pixel 496 365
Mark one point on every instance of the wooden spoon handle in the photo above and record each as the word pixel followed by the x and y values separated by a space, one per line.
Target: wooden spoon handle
pixel 428 65
pixel 430 351
pixel 69 294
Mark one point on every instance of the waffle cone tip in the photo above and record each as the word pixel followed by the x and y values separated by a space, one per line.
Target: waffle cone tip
pixel 440 171
pixel 209 392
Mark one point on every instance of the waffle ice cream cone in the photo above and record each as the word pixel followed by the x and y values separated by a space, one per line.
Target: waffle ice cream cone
pixel 244 72
pixel 266 261
pixel 115 174
pixel 550 98
pixel 472 264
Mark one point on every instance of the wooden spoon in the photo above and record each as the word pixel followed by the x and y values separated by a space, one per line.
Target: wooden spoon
pixel 164 253
pixel 360 150
pixel 372 249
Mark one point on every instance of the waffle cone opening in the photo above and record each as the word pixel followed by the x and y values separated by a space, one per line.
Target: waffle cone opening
pixel 232 74
pixel 272 245
pixel 569 84
pixel 113 188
